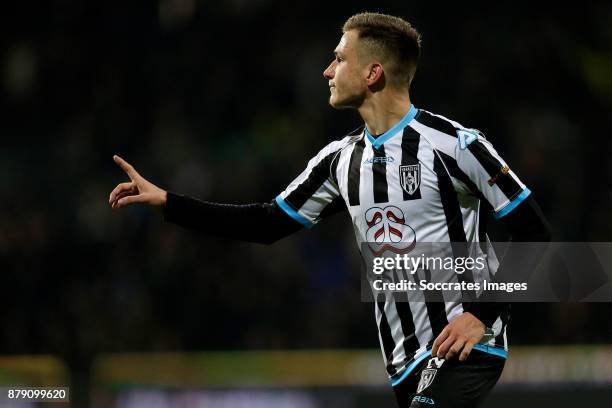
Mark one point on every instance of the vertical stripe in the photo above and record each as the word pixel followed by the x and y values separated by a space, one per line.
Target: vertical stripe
pixel 454 221
pixel 333 168
pixel 308 187
pixel 450 203
pixel 436 308
pixel 493 166
pixel 456 172
pixel 410 343
pixel 483 219
pixel 437 123
pixel 354 173
pixel 335 206
pixel 410 150
pixel 500 339
pixel 379 173
pixel 386 338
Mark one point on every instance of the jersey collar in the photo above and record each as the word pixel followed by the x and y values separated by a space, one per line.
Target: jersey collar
pixel 380 140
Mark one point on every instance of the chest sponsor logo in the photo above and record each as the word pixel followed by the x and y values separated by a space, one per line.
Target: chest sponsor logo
pixel 410 177
pixel 388 231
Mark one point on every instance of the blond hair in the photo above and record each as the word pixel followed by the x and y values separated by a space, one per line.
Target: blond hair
pixel 392 40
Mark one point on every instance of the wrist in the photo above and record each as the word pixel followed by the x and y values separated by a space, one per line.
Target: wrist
pixel 164 198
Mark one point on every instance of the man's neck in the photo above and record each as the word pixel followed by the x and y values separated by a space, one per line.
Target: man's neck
pixel 382 110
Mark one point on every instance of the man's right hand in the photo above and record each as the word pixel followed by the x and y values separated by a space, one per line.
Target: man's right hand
pixel 138 190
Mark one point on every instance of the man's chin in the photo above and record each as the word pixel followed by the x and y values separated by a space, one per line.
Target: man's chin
pixel 336 104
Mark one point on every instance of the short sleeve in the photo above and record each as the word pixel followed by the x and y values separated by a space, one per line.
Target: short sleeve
pixel 490 174
pixel 314 193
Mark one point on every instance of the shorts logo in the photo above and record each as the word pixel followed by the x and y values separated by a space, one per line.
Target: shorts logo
pixel 428 374
pixel 410 177
pixel 427 377
pixel 435 362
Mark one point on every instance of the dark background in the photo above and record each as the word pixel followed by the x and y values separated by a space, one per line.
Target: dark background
pixel 226 101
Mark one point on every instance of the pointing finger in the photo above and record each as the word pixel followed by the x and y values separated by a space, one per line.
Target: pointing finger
pixel 127 167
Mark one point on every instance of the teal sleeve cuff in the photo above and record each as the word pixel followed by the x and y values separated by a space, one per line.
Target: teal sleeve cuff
pixel 512 204
pixel 292 213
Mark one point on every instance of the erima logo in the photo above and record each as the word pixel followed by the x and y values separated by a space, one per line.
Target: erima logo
pixel 379 159
pixel 502 172
pixel 466 137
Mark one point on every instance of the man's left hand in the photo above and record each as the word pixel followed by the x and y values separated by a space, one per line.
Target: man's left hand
pixel 458 337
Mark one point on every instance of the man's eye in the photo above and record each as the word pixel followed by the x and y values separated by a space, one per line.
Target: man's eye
pixel 339 59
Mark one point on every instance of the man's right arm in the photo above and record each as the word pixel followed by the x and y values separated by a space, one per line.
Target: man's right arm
pixel 312 196
pixel 263 223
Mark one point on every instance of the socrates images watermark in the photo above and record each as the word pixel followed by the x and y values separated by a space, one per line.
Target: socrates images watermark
pixel 505 271
pixel 455 265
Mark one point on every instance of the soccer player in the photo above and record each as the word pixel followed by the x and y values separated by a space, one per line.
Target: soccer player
pixel 407 172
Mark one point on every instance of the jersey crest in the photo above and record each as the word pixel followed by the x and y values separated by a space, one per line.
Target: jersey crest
pixel 410 177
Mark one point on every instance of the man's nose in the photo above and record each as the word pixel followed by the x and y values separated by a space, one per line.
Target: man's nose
pixel 329 71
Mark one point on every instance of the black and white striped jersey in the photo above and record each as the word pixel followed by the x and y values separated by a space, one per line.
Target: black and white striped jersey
pixel 427 179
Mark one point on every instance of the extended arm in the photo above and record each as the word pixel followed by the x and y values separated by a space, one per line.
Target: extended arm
pixel 263 223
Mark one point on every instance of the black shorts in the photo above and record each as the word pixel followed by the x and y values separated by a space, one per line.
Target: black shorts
pixel 437 383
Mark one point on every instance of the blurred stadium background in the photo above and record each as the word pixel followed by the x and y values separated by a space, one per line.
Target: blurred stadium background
pixel 226 101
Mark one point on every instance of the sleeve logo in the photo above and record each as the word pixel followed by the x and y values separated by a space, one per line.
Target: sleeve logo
pixel 466 137
pixel 502 172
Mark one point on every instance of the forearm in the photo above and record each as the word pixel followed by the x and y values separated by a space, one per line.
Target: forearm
pixel 260 222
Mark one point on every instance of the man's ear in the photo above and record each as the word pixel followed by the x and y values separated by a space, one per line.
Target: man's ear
pixel 375 73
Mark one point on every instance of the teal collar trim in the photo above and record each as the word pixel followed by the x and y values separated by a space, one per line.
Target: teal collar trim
pixel 380 140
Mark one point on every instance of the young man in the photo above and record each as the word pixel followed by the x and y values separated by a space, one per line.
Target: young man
pixel 408 168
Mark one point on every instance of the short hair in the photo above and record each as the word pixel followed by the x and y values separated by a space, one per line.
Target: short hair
pixel 391 39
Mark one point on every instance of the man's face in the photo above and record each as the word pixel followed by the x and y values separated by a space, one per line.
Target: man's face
pixel 346 74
